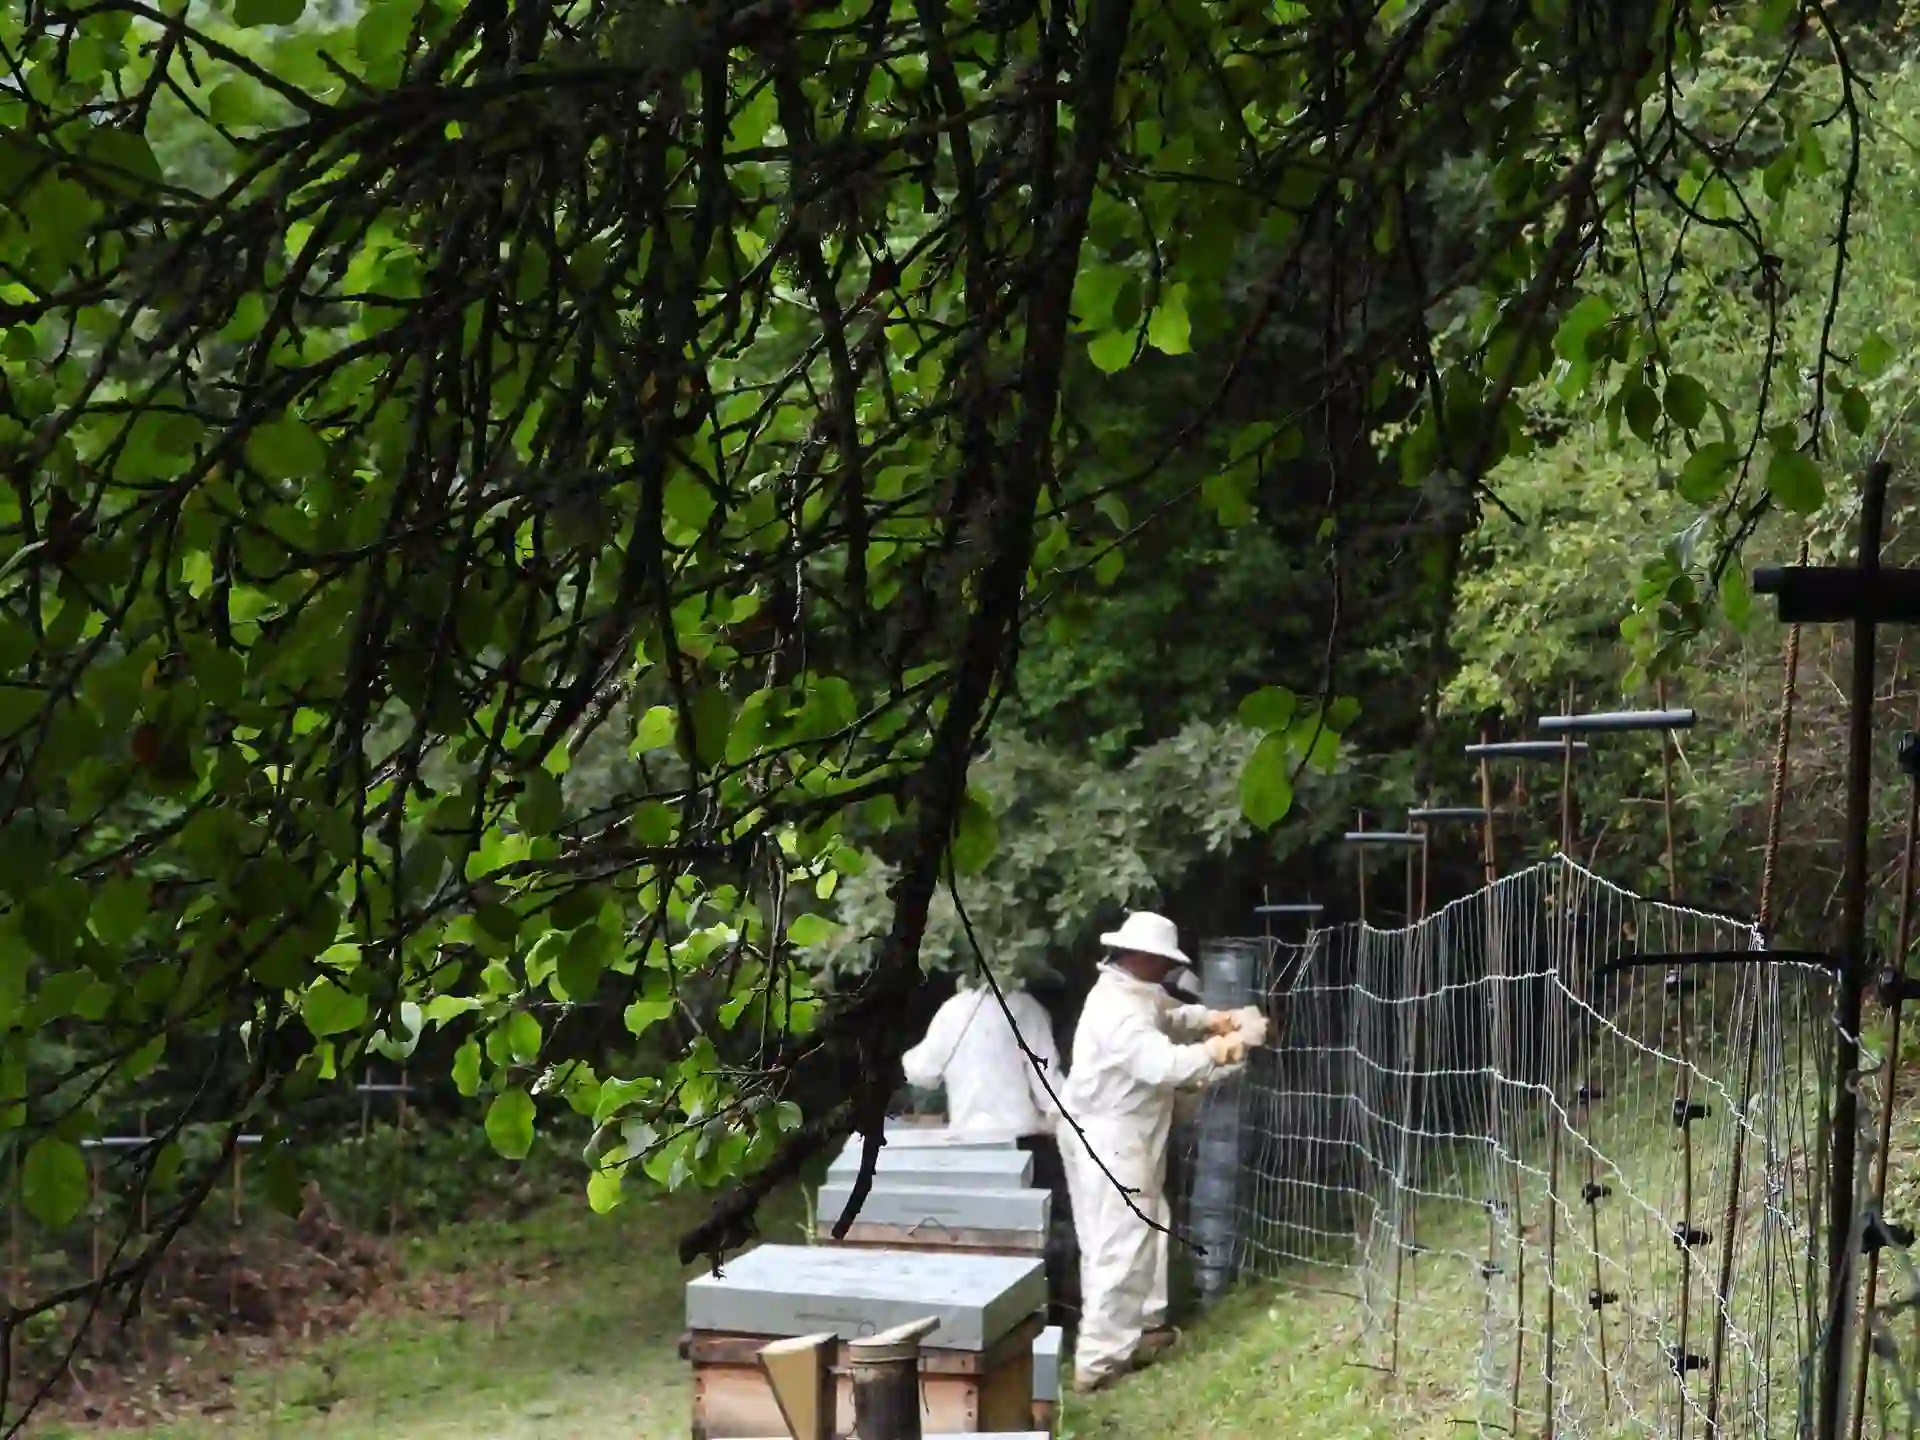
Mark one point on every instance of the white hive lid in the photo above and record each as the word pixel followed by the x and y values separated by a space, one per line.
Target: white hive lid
pixel 782 1290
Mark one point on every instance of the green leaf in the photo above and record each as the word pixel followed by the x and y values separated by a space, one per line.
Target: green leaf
pixel 1706 472
pixel 687 501
pixel 248 13
pixel 1094 290
pixel 1686 401
pixel 583 961
pixel 1641 407
pixel 656 730
pixel 285 449
pixel 642 1015
pixel 466 1069
pixel 53 1181
pixel 604 1186
pixel 119 910
pixel 1875 355
pixel 712 723
pixel 1269 709
pixel 1111 351
pixel 976 835
pixel 1169 330
pixel 1856 411
pixel 1266 784
pixel 1794 481
pixel 234 103
pixel 1228 494
pixel 810 930
pixel 523 1037
pixel 539 807
pixel 330 1010
pixel 510 1123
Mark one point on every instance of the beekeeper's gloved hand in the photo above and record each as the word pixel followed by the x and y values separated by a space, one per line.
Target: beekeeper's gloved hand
pixel 1251 1023
pixel 1225 1050
pixel 1223 1022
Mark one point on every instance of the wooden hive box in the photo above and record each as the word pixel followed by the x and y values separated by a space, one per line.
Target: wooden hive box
pixel 915 1216
pixel 940 1165
pixel 976 1368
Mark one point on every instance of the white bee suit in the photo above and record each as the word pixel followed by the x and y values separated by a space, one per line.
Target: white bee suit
pixel 993 1089
pixel 1130 1061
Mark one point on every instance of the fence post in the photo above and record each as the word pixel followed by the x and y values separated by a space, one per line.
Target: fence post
pixel 886 1382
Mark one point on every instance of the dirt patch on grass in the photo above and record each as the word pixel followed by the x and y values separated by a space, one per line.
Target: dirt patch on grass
pixel 213 1310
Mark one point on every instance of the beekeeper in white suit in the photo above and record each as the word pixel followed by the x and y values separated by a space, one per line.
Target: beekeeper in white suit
pixel 1135 1048
pixel 994 1091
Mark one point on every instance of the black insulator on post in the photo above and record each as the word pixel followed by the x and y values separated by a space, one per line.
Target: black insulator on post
pixel 1685 1114
pixel 1594 1193
pixel 1909 755
pixel 1683 1362
pixel 1600 1299
pixel 1587 1094
pixel 1679 982
pixel 1685 1236
pixel 1881 1232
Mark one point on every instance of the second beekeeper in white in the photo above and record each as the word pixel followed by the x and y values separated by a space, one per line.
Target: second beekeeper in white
pixel 1134 1049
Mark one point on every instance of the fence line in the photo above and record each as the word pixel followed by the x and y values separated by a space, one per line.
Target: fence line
pixel 1531 1134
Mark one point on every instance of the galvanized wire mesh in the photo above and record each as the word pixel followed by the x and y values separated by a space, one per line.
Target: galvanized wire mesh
pixel 1565 1174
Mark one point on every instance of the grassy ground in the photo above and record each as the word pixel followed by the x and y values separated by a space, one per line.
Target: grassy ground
pixel 574 1338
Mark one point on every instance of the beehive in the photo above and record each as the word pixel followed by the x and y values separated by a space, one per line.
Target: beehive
pixel 976 1368
pixel 935 1217
pixel 940 1165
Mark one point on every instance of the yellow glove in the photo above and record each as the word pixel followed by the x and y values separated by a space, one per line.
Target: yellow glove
pixel 1226 1050
pixel 1222 1022
pixel 1251 1023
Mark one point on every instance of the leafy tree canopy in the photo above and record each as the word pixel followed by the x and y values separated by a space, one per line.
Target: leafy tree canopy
pixel 503 494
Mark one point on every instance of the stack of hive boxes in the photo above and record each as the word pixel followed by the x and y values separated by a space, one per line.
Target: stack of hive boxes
pixel 950 1229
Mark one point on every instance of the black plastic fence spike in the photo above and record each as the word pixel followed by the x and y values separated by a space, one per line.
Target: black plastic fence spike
pixel 1880 1232
pixel 1685 1236
pixel 1685 1114
pixel 1683 1362
pixel 1600 1299
pixel 1893 988
pixel 1681 982
pixel 1491 1268
pixel 1909 755
pixel 1593 1193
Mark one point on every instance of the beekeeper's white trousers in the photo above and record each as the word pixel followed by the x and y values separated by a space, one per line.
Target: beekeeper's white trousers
pixel 1123 1259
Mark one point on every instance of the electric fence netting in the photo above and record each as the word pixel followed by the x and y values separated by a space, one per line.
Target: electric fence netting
pixel 1564 1145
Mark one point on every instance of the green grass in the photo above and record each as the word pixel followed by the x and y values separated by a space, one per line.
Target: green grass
pixel 576 1340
